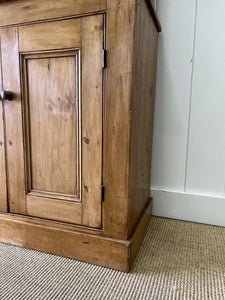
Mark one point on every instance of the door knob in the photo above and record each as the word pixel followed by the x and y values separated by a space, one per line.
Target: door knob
pixel 7 95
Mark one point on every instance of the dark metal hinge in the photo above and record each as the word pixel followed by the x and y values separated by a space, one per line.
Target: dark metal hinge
pixel 102 192
pixel 104 58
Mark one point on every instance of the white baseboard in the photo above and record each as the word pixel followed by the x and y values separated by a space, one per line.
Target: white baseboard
pixel 189 207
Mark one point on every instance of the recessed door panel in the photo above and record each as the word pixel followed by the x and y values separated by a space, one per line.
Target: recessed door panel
pixel 55 119
pixel 52 104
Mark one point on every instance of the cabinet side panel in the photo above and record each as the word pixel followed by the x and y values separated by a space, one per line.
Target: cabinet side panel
pixel 146 36
pixel 120 59
pixel 3 191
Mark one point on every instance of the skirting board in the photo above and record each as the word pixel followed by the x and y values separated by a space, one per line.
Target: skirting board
pixel 189 207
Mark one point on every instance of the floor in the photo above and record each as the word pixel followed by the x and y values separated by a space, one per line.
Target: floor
pixel 178 260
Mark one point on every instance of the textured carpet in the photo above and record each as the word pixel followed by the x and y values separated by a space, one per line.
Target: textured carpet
pixel 178 260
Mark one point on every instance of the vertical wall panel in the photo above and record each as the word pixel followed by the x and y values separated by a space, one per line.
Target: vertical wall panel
pixel 173 93
pixel 206 152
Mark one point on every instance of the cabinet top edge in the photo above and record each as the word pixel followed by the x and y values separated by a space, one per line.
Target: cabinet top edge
pixel 17 12
pixel 154 15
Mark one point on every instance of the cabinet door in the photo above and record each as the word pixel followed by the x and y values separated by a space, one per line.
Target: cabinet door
pixel 54 122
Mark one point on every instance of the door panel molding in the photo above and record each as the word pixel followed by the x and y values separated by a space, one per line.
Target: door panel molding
pixel 57 196
pixel 53 113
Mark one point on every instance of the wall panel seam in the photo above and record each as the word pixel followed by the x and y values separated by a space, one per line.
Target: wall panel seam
pixel 191 95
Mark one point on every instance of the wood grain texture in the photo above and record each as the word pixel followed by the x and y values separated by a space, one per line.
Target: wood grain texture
pixel 53 123
pixel 71 241
pixel 92 45
pixel 20 11
pixel 120 63
pixel 47 194
pixel 53 209
pixel 65 242
pixel 52 113
pixel 146 37
pixel 51 35
pixel 111 123
pixel 56 224
pixel 13 121
pixel 3 188
pixel 139 234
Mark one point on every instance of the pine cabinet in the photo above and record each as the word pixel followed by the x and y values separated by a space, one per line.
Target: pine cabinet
pixel 76 120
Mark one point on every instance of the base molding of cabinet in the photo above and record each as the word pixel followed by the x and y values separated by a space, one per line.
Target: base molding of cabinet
pixel 70 242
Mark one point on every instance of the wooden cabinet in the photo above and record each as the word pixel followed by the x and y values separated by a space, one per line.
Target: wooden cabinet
pixel 76 135
pixel 57 135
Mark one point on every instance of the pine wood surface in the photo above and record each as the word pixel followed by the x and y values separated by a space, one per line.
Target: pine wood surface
pixel 70 243
pixel 113 124
pixel 22 11
pixel 92 87
pixel 139 233
pixel 54 144
pixel 13 121
pixel 52 129
pixel 3 188
pixel 53 209
pixel 64 241
pixel 118 105
pixel 143 101
pixel 51 35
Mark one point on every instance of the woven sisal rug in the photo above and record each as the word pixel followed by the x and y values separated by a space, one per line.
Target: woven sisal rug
pixel 178 260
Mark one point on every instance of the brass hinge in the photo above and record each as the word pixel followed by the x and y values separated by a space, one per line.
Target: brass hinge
pixel 104 58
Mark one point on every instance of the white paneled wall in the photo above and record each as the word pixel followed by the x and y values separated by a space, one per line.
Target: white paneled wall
pixel 206 151
pixel 173 92
pixel 188 164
